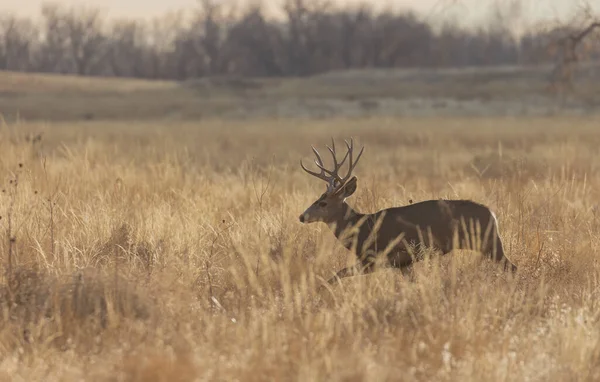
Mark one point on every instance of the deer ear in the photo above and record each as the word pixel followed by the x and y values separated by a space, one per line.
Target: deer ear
pixel 348 188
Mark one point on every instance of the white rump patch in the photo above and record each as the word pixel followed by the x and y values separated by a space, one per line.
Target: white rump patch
pixel 495 220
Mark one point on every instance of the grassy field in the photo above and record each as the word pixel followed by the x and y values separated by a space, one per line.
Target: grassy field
pixel 172 251
pixel 481 92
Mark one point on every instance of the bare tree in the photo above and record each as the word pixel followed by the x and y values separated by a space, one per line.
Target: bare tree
pixel 16 38
pixel 160 57
pixel 298 42
pixel 52 56
pixel 313 36
pixel 126 49
pixel 399 40
pixel 87 42
pixel 254 45
pixel 211 36
pixel 73 40
pixel 568 53
pixel 354 24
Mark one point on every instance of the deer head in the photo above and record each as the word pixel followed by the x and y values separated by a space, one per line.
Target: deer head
pixel 329 207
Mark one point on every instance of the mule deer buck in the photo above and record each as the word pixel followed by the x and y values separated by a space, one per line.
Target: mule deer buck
pixel 396 232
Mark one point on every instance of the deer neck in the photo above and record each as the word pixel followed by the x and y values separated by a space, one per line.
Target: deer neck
pixel 348 219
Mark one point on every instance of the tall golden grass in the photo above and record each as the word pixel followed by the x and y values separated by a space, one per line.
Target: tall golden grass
pixel 141 252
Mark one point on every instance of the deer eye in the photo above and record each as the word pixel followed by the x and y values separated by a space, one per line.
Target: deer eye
pixel 322 204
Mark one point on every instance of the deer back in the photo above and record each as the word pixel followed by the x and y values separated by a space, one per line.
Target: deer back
pixel 431 223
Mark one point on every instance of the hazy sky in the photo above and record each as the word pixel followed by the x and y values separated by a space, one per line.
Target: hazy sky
pixel 464 10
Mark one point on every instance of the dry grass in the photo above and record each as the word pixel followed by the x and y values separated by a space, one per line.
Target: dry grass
pixel 490 91
pixel 174 253
pixel 17 82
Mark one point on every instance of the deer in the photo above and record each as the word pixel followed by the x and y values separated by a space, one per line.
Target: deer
pixel 397 234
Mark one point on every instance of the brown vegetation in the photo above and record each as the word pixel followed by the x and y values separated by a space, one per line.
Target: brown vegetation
pixel 310 37
pixel 174 252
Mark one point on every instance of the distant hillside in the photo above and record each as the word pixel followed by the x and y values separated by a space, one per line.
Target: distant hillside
pixel 504 90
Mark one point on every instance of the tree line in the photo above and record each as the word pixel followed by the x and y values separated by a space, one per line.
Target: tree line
pixel 213 40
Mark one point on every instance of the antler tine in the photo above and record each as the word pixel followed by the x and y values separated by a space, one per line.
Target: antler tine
pixel 351 163
pixel 313 173
pixel 320 161
pixel 336 166
pixel 334 154
pixel 332 176
pixel 323 174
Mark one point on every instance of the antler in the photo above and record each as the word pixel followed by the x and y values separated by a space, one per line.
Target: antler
pixel 332 177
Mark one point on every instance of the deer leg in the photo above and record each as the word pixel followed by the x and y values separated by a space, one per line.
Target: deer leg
pixel 364 268
pixel 496 252
pixel 509 266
